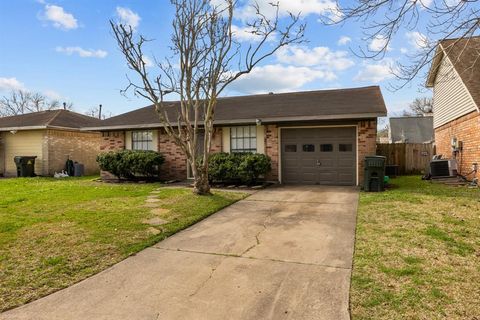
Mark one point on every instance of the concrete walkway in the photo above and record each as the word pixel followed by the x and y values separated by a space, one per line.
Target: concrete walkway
pixel 283 253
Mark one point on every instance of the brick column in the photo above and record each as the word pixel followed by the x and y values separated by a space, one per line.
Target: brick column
pixel 367 144
pixel 271 150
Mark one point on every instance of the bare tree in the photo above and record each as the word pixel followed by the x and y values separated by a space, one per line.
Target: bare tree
pixel 208 59
pixel 383 19
pixel 420 107
pixel 22 102
pixel 98 112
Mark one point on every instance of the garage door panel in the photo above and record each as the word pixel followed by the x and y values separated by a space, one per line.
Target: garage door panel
pixel 321 155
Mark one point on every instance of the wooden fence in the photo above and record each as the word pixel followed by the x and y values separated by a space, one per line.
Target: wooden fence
pixel 412 158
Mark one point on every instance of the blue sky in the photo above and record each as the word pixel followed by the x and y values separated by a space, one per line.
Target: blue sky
pixel 64 49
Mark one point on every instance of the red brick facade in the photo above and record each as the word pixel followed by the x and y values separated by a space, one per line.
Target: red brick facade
pixel 175 166
pixel 467 130
pixel 367 145
pixel 271 150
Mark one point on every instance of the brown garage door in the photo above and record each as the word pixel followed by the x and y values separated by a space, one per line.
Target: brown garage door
pixel 319 156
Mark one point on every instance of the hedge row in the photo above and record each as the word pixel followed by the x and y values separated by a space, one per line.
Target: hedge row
pixel 245 168
pixel 131 164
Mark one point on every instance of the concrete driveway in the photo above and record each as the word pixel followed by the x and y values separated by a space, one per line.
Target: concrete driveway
pixel 283 253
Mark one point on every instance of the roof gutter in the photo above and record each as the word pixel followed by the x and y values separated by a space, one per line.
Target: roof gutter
pixel 23 128
pixel 248 121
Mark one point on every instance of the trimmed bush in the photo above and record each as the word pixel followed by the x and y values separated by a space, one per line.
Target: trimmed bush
pixel 245 168
pixel 131 164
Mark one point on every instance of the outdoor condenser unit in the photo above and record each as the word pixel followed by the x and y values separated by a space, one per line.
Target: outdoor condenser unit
pixel 443 168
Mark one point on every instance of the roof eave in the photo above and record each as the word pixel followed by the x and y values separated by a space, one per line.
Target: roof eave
pixel 22 128
pixel 432 73
pixel 249 121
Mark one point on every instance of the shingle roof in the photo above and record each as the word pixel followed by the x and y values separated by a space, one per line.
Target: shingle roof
pixel 465 56
pixel 411 129
pixel 366 102
pixel 48 119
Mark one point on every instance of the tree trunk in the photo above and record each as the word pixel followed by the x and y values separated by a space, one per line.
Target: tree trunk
pixel 201 186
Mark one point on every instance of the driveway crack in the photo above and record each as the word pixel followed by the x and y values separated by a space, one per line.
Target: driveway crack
pixel 204 283
pixel 257 236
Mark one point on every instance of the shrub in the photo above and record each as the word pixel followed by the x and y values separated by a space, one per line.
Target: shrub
pixel 131 164
pixel 238 167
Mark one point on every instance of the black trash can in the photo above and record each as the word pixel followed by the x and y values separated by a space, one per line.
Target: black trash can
pixel 374 173
pixel 25 166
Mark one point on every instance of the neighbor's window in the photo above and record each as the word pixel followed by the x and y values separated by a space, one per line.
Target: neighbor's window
pixel 243 139
pixel 142 140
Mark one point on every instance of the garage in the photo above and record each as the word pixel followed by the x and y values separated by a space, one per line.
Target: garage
pixel 324 156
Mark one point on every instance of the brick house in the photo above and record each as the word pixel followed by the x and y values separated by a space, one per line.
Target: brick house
pixel 52 136
pixel 455 79
pixel 314 137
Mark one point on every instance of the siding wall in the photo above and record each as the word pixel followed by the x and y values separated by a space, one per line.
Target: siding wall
pixel 451 98
pixel 24 143
pixel 2 155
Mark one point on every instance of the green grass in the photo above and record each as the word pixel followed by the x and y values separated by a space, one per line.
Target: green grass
pixel 54 233
pixel 417 253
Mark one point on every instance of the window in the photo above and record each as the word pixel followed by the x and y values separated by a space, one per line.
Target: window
pixel 308 148
pixel 291 148
pixel 142 140
pixel 345 147
pixel 326 147
pixel 243 139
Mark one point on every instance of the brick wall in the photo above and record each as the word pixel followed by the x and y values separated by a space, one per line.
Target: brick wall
pixel 467 130
pixel 81 147
pixel 367 145
pixel 271 150
pixel 175 165
pixel 111 141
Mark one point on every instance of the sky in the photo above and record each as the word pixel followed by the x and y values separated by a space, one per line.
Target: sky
pixel 65 50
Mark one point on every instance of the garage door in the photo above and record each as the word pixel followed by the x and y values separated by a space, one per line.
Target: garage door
pixel 319 156
pixel 23 143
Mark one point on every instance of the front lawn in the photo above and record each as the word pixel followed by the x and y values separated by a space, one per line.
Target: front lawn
pixel 417 253
pixel 54 233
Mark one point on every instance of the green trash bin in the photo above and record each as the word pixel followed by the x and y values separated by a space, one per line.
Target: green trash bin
pixel 25 166
pixel 374 173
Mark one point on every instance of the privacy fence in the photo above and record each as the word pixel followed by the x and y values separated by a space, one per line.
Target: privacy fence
pixel 412 158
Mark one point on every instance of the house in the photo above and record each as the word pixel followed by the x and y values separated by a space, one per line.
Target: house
pixel 455 78
pixel 417 129
pixel 53 137
pixel 314 137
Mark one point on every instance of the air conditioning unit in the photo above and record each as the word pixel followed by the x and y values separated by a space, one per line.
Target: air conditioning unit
pixel 443 168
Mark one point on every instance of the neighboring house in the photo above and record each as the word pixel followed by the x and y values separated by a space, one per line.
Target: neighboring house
pixel 455 79
pixel 316 137
pixel 53 136
pixel 411 129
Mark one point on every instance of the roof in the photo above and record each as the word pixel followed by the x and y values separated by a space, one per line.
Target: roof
pixel 60 119
pixel 464 53
pixel 411 129
pixel 354 103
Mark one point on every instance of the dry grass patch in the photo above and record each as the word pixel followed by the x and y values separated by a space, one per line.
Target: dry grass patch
pixel 54 233
pixel 417 253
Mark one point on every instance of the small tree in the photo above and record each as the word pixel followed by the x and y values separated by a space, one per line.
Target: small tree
pixel 208 60
pixel 21 102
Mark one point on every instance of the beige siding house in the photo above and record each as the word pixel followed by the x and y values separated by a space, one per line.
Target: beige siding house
pixel 53 137
pixel 455 79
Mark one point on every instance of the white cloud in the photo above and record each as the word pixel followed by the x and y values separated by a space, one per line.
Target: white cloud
pixel 378 43
pixel 403 50
pixel 128 17
pixel 304 7
pixel 52 95
pixel 148 62
pixel 82 52
pixel 246 34
pixel 7 84
pixel 416 39
pixel 375 72
pixel 320 57
pixel 344 40
pixel 59 18
pixel 279 78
